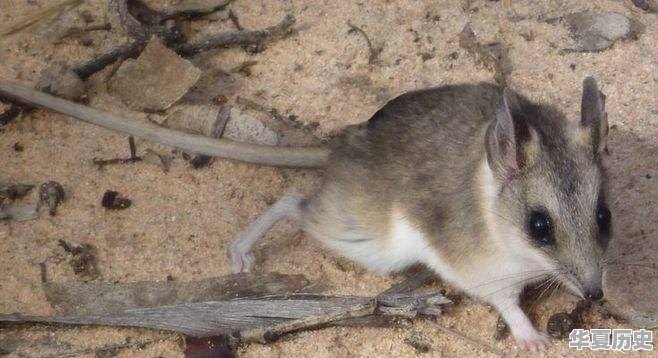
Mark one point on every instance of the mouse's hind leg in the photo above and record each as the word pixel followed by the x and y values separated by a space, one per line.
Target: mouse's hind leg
pixel 242 259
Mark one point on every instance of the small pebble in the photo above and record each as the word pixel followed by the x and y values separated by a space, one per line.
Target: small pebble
pixel 18 147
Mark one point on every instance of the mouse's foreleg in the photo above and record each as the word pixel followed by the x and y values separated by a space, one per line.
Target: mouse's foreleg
pixel 242 259
pixel 507 302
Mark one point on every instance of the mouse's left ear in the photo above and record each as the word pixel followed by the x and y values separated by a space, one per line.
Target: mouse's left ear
pixel 593 117
pixel 511 143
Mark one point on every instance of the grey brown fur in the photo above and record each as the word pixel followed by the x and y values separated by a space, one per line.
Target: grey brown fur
pixel 447 177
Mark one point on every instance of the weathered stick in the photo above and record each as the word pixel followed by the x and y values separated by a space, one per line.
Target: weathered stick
pixel 300 157
pixel 252 319
pixel 243 37
pixel 75 298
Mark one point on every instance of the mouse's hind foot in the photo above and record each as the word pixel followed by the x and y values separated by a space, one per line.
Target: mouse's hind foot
pixel 240 252
pixel 242 259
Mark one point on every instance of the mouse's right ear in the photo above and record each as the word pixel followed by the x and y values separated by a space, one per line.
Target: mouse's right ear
pixel 509 139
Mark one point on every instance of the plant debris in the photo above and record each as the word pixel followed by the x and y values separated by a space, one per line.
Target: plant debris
pixel 51 194
pixel 502 330
pixel 101 163
pixel 242 127
pixel 492 56
pixel 19 212
pixel 83 260
pixel 77 31
pixel 240 37
pixel 12 112
pixel 417 343
pixel 59 80
pixel 244 68
pixel 217 130
pixel 75 298
pixel 153 157
pixel 650 6
pixel 155 80
pixel 261 319
pixel 112 200
pixel 14 191
pixel 11 192
pixel 44 12
pixel 373 52
pixel 560 324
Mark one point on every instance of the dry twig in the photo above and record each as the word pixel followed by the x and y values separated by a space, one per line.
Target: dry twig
pixel 373 52
pixel 241 37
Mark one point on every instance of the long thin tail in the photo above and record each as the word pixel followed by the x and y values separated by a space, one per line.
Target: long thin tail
pixel 297 157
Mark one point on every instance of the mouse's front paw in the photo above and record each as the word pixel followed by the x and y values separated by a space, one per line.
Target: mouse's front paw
pixel 531 340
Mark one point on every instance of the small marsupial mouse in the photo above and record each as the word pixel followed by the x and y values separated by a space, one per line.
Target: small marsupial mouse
pixel 486 188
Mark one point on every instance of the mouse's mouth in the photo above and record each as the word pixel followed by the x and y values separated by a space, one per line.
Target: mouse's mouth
pixel 572 285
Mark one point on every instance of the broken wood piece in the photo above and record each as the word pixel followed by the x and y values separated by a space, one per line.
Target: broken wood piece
pixel 413 282
pixel 75 298
pixel 245 320
pixel 216 131
pixel 90 67
pixel 232 38
pixel 101 163
pixel 142 33
pixel 155 80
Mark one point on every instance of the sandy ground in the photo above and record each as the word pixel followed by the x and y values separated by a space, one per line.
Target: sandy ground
pixel 181 222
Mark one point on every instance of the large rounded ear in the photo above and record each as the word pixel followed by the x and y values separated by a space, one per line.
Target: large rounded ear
pixel 593 117
pixel 511 142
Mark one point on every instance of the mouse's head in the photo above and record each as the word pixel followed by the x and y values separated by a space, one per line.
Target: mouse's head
pixel 552 187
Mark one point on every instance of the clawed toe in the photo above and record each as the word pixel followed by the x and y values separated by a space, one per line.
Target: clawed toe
pixel 535 342
pixel 241 261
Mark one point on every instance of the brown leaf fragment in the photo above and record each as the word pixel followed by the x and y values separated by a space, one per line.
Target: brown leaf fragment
pixel 112 200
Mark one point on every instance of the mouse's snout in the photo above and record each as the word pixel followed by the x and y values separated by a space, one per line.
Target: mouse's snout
pixel 594 294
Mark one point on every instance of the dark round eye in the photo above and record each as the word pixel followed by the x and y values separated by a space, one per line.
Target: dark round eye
pixel 540 227
pixel 603 217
